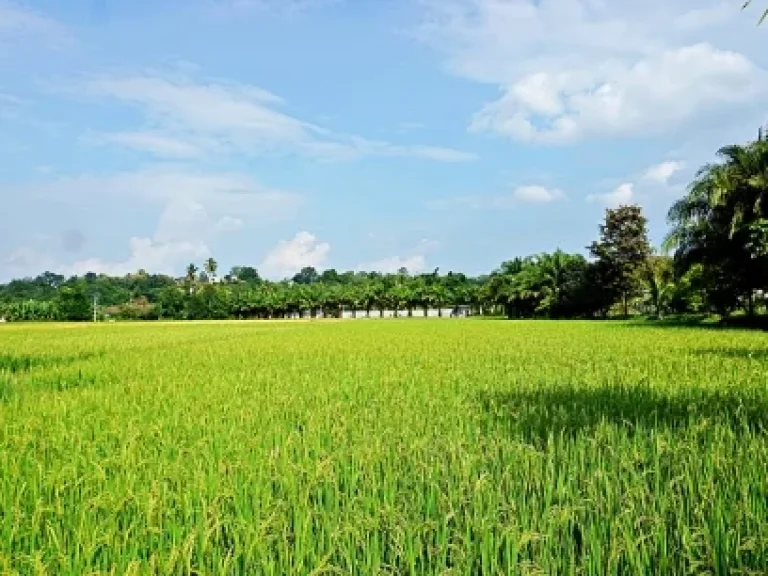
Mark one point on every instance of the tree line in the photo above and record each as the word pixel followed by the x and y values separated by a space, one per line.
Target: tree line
pixel 714 260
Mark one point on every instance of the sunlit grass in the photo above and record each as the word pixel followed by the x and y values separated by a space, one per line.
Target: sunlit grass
pixel 383 447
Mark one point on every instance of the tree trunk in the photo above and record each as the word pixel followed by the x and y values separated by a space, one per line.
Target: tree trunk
pixel 626 305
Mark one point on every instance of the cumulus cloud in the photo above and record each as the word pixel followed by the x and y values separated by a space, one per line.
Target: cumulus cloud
pixel 289 256
pixel 194 208
pixel 195 117
pixel 623 194
pixel 414 264
pixel 229 224
pixel 649 186
pixel 527 194
pixel 571 70
pixel 25 260
pixel 147 254
pixel 30 259
pixel 662 172
pixel 536 195
pixel 415 260
pixel 652 95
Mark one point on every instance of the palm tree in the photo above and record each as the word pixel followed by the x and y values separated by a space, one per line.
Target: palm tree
pixel 739 183
pixel 400 296
pixel 658 274
pixel 722 222
pixel 189 279
pixel 211 266
pixel 763 17
pixel 733 192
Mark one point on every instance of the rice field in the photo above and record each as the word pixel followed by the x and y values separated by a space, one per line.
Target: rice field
pixel 383 447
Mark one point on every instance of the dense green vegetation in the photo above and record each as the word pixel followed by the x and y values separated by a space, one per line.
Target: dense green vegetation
pixel 401 447
pixel 718 264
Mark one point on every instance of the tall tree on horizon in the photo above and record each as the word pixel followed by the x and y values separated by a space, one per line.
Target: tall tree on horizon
pixel 211 266
pixel 190 277
pixel 722 225
pixel 621 251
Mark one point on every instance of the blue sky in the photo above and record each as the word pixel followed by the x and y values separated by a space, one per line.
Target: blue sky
pixel 370 134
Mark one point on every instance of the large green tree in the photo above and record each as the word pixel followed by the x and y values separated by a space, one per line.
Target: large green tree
pixel 721 225
pixel 621 252
pixel 73 303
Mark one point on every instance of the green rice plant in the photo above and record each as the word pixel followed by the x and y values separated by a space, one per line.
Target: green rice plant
pixel 400 447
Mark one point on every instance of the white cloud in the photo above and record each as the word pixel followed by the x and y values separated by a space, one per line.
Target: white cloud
pixel 189 117
pixel 229 224
pixel 145 253
pixel 435 153
pixel 19 22
pixel 226 191
pixel 653 95
pixel 529 194
pixel 572 70
pixel 646 188
pixel 194 206
pixel 289 256
pixel 414 264
pixel 536 195
pixel 661 173
pixel 26 261
pixel 623 194
pixel 414 261
pixel 709 16
pixel 155 143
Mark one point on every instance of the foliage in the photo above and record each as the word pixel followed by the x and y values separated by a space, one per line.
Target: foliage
pixel 29 311
pixel 658 274
pixel 550 285
pixel 73 302
pixel 621 253
pixel 720 225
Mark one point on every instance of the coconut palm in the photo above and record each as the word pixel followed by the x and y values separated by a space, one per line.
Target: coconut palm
pixel 763 17
pixel 211 266
pixel 722 222
pixel 190 277
pixel 658 275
